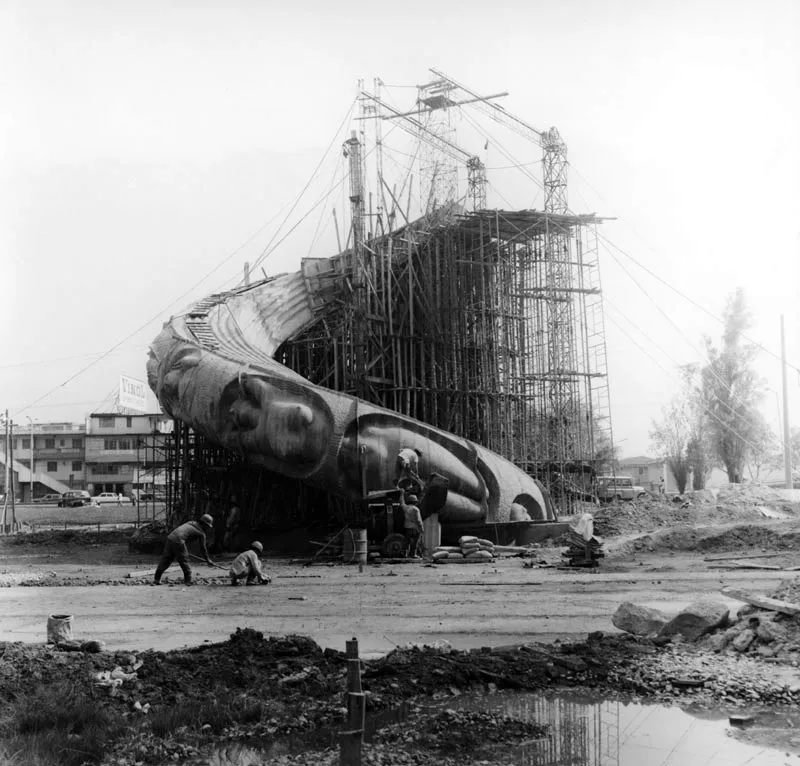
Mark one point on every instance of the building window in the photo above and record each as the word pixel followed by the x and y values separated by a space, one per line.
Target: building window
pixel 26 444
pixel 49 443
pixel 104 468
pixel 52 466
pixel 77 444
pixel 77 465
pixel 129 422
pixel 61 442
pixel 106 421
pixel 110 444
pixel 125 444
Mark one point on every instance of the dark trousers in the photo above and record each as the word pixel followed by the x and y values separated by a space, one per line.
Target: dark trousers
pixel 174 552
pixel 412 533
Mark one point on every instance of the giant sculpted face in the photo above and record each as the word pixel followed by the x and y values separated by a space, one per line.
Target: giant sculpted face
pixel 289 425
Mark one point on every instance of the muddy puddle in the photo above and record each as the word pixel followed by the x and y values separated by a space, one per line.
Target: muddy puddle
pixel 586 731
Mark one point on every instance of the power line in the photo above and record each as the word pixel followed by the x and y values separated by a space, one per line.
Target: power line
pixel 160 314
pixel 706 409
pixel 710 366
pixel 51 360
pixel 663 281
pixel 267 250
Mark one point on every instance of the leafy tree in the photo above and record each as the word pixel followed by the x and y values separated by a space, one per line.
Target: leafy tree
pixel 732 390
pixel 670 437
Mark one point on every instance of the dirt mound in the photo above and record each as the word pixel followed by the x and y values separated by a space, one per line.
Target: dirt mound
pixel 169 707
pixel 749 537
pixel 149 538
pixel 750 494
pixel 732 503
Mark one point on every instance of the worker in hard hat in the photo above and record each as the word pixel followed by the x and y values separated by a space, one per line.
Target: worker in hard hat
pixel 247 566
pixel 175 548
pixel 412 522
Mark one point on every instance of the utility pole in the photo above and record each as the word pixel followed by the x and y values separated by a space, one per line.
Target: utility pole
pixel 30 498
pixel 10 461
pixel 8 473
pixel 787 444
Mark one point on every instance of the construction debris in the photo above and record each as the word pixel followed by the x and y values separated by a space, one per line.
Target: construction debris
pixel 762 602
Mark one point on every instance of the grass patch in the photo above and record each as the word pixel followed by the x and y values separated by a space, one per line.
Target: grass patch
pixel 56 725
pixel 218 712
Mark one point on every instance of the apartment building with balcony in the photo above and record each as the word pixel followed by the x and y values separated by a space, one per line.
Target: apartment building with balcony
pixel 56 462
pixel 119 446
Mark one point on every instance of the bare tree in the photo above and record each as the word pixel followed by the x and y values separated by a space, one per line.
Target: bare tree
pixel 764 450
pixel 670 437
pixel 699 449
pixel 732 390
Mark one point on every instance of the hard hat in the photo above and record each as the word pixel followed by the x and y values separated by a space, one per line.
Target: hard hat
pixel 411 498
pixel 207 520
pixel 257 546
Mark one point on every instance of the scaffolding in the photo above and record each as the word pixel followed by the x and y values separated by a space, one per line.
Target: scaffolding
pixel 482 322
pixel 476 323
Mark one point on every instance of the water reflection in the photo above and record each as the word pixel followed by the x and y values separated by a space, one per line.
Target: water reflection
pixel 600 732
pixel 584 731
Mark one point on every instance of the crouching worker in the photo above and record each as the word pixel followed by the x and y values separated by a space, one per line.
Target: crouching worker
pixel 248 565
pixel 175 548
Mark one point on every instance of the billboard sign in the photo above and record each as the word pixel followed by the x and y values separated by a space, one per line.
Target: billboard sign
pixel 132 393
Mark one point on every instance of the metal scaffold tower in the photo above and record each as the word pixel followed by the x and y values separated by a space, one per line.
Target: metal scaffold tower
pixel 486 323
pixel 439 179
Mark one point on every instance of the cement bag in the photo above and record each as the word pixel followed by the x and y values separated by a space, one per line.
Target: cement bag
pixel 467 539
pixel 440 555
pixel 584 526
pixel 483 542
pixel 470 548
pixel 59 628
pixel 452 556
pixel 479 555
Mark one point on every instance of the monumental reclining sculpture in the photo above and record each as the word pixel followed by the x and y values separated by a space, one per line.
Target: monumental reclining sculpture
pixel 211 367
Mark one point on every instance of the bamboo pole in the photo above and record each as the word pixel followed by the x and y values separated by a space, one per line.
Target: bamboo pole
pixel 351 740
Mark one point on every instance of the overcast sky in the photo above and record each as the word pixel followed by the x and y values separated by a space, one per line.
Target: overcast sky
pixel 149 149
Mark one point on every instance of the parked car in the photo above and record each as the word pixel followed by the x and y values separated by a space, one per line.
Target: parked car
pixel 53 498
pixel 618 488
pixel 112 498
pixel 75 498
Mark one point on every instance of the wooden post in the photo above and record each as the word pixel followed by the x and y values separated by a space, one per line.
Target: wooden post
pixel 352 738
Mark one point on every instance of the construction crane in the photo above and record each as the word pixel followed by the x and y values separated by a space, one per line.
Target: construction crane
pixel 554 159
pixel 564 427
pixel 476 170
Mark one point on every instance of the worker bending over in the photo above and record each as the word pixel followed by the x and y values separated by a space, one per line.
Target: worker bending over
pixel 175 548
pixel 412 522
pixel 248 565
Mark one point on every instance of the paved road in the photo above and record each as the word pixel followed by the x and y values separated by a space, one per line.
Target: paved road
pixel 468 605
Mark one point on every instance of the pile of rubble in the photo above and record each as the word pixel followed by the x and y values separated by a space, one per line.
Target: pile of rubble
pixel 766 627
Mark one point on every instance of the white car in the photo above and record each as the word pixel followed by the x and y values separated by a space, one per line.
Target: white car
pixel 111 498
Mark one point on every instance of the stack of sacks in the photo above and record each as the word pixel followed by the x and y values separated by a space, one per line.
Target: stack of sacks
pixel 448 552
pixel 475 548
pixel 469 549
